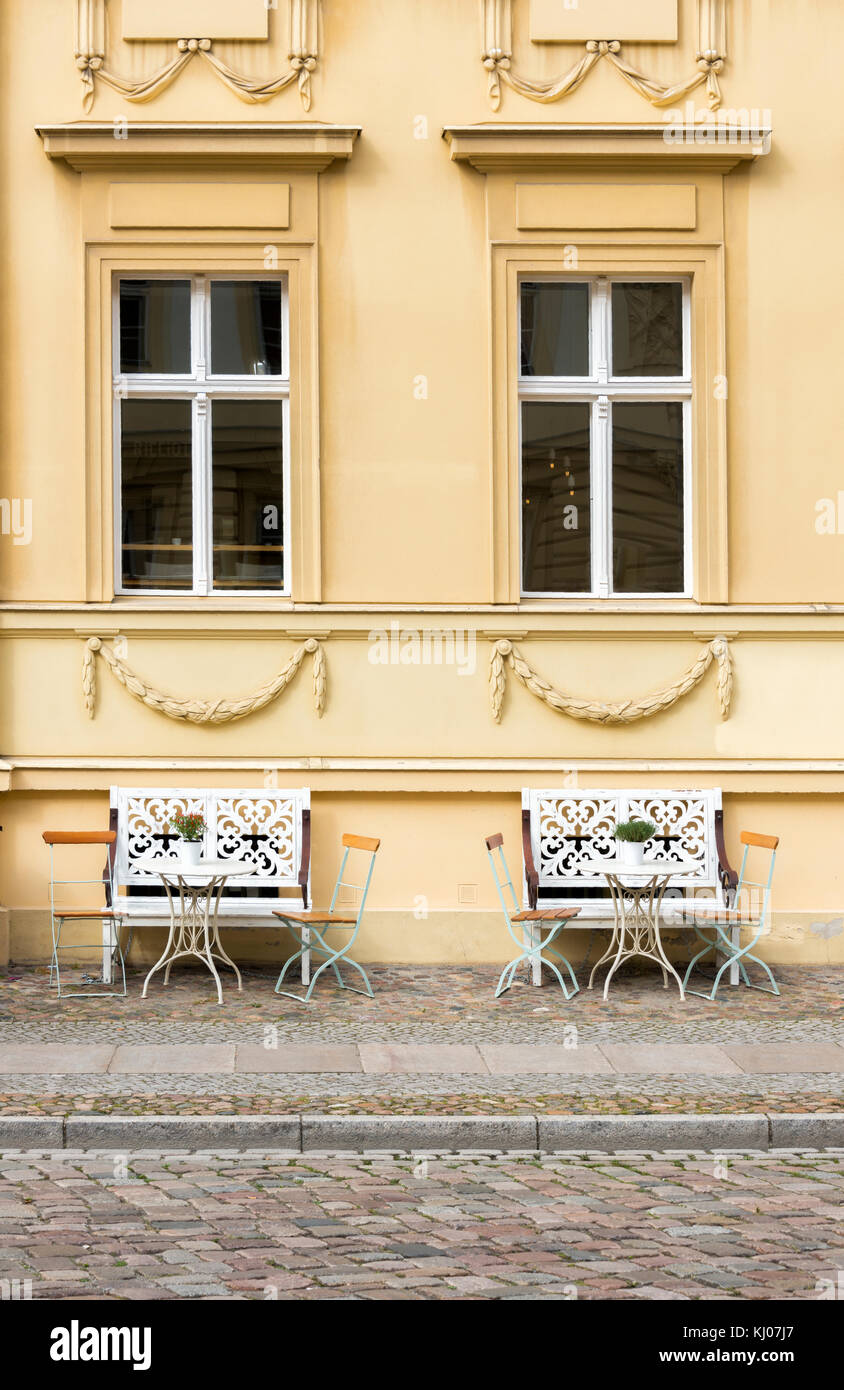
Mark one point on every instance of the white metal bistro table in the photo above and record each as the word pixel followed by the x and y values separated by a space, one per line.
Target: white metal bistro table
pixel 637 891
pixel 193 913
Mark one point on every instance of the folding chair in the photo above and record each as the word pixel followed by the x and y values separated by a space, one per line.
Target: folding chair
pixel 727 923
pixel 311 926
pixel 112 922
pixel 534 923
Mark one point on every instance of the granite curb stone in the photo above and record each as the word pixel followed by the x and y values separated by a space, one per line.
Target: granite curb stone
pixel 189 1132
pixel 31 1132
pixel 404 1132
pixel 560 1133
pixel 807 1131
pixel 434 1133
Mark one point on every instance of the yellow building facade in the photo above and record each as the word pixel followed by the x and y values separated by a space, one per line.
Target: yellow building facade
pixel 305 307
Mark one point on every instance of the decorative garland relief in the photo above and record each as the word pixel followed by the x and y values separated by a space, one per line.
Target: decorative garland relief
pixel 199 711
pixel 497 58
pixel 91 54
pixel 505 654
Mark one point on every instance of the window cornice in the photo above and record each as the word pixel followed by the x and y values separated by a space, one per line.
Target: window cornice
pixel 491 147
pixel 91 145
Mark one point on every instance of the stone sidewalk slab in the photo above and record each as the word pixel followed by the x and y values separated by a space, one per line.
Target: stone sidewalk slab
pixel 785 1058
pixel 520 1059
pixel 670 1059
pixel 48 1059
pixel 543 1059
pixel 138 1059
pixel 316 1057
pixel 448 1058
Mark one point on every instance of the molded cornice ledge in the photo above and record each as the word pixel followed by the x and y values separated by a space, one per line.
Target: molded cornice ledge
pixel 717 145
pixel 86 145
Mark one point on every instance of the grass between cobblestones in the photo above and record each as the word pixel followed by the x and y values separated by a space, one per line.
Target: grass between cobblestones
pixel 459 1104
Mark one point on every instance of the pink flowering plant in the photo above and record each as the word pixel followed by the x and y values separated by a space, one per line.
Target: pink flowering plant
pixel 190 827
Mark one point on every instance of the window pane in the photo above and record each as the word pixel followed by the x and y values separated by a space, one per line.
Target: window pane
pixel 246 327
pixel 556 547
pixel 157 495
pixel 647 330
pixel 647 500
pixel 555 329
pixel 247 447
pixel 155 326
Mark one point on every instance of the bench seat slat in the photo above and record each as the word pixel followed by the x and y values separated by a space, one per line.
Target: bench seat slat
pixel 545 914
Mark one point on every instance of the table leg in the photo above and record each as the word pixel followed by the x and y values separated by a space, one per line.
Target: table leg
pixel 306 956
pixel 206 955
pixel 187 928
pixel 611 948
pixel 620 955
pixel 216 944
pixel 194 930
pixel 655 949
pixel 171 939
pixel 656 905
pixel 636 931
pixel 615 949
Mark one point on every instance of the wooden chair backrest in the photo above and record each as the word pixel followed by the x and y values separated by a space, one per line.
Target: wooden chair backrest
pixel 749 837
pixel 361 842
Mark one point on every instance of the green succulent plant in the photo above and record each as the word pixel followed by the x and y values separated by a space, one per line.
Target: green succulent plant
pixel 635 832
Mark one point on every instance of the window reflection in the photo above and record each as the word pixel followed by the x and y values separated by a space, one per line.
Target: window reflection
pixel 157 531
pixel 247 469
pixel 556 550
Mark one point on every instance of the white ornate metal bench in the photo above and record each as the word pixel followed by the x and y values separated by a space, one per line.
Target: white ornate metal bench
pixel 562 829
pixel 269 828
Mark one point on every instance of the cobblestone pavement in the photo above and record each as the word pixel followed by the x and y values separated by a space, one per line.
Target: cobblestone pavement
pixel 259 1225
pixel 418 1002
pixel 421 1005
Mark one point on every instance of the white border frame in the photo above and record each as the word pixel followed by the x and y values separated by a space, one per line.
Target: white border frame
pixel 200 387
pixel 597 389
pixel 152 908
pixel 591 908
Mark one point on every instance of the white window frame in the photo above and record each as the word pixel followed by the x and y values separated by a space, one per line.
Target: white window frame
pixel 600 391
pixel 201 388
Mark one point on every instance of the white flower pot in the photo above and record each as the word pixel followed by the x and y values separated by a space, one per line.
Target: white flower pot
pixel 631 851
pixel 191 851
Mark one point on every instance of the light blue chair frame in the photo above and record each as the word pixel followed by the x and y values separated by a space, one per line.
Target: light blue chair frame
pixel 59 915
pixel 732 919
pixel 529 939
pixel 315 924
